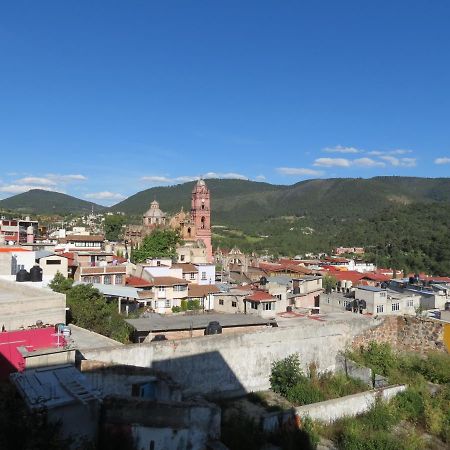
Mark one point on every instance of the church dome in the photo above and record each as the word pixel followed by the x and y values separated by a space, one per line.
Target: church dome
pixel 154 210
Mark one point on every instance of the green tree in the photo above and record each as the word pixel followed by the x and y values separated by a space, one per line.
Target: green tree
pixel 329 283
pixel 60 283
pixel 285 374
pixel 89 309
pixel 113 226
pixel 159 244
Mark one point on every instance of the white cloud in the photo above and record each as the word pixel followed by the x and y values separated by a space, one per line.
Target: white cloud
pixel 185 178
pixel 399 162
pixel 157 179
pixel 341 149
pixel 105 195
pixel 260 178
pixel 37 180
pixel 299 171
pixel 367 162
pixel 443 160
pixel 389 152
pixel 332 162
pixel 19 188
pixel 66 178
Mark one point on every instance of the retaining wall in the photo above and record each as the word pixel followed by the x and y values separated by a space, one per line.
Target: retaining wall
pixel 237 363
pixel 330 410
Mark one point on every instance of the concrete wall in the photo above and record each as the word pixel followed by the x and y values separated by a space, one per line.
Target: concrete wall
pixel 22 305
pixel 53 264
pixel 238 363
pixel 330 410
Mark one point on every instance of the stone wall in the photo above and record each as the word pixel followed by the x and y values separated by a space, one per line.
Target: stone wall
pixel 406 333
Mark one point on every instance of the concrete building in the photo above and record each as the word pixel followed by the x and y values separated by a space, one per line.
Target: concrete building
pixel 187 326
pixel 66 397
pixel 111 274
pixel 305 292
pixel 22 305
pixel 260 303
pixel 377 301
pixel 18 231
pixel 76 242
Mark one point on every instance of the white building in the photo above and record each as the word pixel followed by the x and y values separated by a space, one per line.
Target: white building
pixel 377 301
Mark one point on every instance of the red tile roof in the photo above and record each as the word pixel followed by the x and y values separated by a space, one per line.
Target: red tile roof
pixel 137 282
pixel 168 281
pixel 260 296
pixel 12 249
pixel 197 290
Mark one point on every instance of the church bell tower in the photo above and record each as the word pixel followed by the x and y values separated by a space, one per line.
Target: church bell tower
pixel 201 215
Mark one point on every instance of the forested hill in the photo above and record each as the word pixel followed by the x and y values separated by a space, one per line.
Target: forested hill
pixel 39 201
pixel 237 202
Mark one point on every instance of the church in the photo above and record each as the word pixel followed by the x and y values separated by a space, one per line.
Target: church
pixel 194 227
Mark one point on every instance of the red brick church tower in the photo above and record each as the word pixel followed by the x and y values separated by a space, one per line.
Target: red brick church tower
pixel 201 215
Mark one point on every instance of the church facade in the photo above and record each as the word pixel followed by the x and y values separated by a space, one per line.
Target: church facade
pixel 194 227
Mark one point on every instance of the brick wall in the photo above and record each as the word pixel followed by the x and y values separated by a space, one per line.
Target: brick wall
pixel 406 333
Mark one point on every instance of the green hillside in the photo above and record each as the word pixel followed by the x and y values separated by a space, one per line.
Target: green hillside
pixel 39 201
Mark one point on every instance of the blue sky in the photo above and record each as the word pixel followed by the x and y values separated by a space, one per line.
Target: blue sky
pixel 102 99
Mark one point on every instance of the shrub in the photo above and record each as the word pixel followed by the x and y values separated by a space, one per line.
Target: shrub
pixel 410 405
pixel 304 393
pixel 381 417
pixel 286 373
pixel 176 309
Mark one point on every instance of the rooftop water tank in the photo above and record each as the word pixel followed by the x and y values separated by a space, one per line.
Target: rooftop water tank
pixel 22 275
pixel 213 327
pixel 36 273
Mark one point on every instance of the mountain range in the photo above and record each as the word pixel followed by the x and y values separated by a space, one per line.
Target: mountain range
pixel 404 222
pixel 239 201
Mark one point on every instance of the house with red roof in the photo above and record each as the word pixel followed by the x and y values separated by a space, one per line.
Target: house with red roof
pixel 260 303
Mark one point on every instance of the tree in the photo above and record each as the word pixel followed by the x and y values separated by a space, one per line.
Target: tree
pixel 329 283
pixel 89 309
pixel 285 374
pixel 113 226
pixel 159 244
pixel 60 283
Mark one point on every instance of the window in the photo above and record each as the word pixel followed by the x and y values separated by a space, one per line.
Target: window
pixel 53 261
pixel 161 289
pixel 220 302
pixel 380 308
pixel 395 306
pixel 410 302
pixel 167 305
pixel 87 279
pixel 181 257
pixel 254 305
pixel 382 294
pixel 107 279
pixel 278 296
pixel 267 306
pixel 119 279
pixel 96 279
pixel 203 275
pixel 234 304
pixel 158 263
pixel 179 288
pixel 192 276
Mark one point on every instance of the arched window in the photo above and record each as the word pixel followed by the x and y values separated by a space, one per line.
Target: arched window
pixel 203 223
pixel 189 231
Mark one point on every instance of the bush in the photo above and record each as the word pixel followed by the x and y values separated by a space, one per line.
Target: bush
pixel 304 393
pixel 176 309
pixel 410 405
pixel 286 373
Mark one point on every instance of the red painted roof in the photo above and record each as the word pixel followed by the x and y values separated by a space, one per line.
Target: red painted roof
pixel 13 249
pixel 260 296
pixel 137 282
pixel 10 358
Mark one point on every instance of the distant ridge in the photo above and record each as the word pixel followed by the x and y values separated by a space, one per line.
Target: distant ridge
pixel 40 201
pixel 236 202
